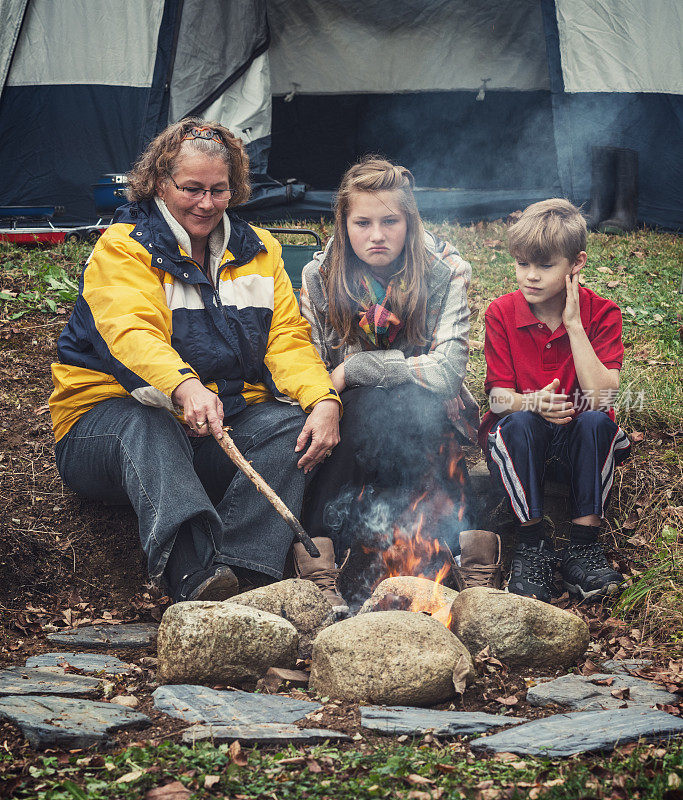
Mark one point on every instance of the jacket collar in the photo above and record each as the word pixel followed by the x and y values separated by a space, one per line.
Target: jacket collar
pixel 153 231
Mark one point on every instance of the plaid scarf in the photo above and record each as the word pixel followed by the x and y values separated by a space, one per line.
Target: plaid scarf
pixel 377 321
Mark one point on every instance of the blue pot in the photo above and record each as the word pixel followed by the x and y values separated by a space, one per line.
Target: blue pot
pixel 109 192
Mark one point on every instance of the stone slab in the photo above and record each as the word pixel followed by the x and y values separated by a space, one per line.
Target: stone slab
pixel 582 693
pixel 260 734
pixel 229 707
pixel 65 722
pixel 88 662
pixel 411 721
pixel 583 732
pixel 625 664
pixel 24 681
pixel 135 634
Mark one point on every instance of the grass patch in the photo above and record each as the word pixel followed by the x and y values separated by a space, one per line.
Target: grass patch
pixel 656 592
pixel 419 771
pixel 36 278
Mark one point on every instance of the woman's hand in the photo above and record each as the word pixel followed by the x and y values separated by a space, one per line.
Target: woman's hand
pixel 338 377
pixel 571 316
pixel 202 409
pixel 453 408
pixel 322 428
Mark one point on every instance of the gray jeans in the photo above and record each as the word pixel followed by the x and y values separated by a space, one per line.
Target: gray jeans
pixel 122 451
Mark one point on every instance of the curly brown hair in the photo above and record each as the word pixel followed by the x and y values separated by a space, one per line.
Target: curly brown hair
pixel 376 174
pixel 160 158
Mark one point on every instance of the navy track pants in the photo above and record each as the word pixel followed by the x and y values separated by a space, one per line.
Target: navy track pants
pixel 524 448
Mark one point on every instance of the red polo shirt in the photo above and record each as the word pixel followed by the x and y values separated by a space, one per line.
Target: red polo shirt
pixel 524 355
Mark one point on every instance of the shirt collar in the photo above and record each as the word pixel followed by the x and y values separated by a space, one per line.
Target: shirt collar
pixel 524 316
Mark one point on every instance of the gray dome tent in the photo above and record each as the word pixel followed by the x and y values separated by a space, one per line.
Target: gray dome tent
pixel 496 101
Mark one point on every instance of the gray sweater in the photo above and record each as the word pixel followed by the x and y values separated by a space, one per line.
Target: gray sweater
pixel 439 365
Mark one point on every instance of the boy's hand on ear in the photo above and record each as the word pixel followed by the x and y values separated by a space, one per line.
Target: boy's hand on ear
pixel 554 407
pixel 571 316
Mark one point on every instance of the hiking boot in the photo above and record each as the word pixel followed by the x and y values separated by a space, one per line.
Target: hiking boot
pixel 587 572
pixel 323 571
pixel 480 561
pixel 532 571
pixel 217 585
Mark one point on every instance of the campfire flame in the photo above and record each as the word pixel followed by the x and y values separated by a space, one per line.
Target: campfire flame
pixel 414 551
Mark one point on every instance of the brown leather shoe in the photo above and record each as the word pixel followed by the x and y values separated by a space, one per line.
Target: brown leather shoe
pixel 323 571
pixel 480 561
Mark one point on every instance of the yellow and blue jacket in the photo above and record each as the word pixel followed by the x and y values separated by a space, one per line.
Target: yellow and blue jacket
pixel 147 318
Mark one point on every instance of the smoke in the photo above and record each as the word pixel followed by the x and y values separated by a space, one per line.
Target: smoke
pixel 405 482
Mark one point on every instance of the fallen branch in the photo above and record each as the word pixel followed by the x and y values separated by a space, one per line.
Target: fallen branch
pixel 230 449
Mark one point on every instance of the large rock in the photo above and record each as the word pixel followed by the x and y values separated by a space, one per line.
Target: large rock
pixel 268 733
pixel 390 657
pixel 132 634
pixel 67 722
pixel 583 732
pixel 521 631
pixel 205 642
pixel 404 720
pixel 599 691
pixel 300 602
pixel 27 680
pixel 424 594
pixel 88 662
pixel 206 706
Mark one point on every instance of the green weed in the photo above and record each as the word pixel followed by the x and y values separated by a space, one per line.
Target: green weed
pixel 411 770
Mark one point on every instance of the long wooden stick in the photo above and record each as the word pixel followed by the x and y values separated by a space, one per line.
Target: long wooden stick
pixel 233 453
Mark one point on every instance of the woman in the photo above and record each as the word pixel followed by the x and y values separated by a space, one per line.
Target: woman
pixel 186 321
pixel 387 305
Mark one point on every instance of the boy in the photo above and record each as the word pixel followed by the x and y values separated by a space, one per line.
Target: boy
pixel 553 354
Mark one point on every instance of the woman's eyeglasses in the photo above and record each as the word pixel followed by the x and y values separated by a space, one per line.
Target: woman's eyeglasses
pixel 196 193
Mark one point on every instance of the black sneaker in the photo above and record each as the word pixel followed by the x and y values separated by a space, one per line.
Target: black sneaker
pixel 532 571
pixel 216 583
pixel 587 572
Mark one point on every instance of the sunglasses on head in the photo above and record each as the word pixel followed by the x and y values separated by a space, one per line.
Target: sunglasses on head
pixel 203 133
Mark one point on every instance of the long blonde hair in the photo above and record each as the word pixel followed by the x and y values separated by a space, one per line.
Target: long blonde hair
pixel 409 294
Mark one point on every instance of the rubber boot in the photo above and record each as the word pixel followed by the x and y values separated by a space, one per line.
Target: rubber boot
pixel 624 215
pixel 603 172
pixel 323 571
pixel 480 561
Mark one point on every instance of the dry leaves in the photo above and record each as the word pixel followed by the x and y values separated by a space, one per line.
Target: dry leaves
pixel 171 791
pixel 461 672
pixel 237 755
pixel 129 777
pixel 512 700
pixel 418 780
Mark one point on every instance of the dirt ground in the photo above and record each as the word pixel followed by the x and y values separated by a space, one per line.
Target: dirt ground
pixel 66 561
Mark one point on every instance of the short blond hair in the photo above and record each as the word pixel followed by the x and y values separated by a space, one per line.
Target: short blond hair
pixel 550 228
